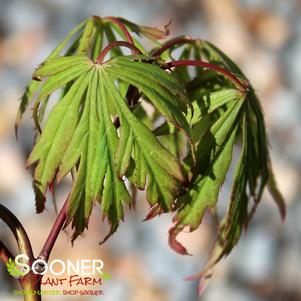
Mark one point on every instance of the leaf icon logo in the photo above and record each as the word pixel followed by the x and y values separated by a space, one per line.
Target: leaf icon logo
pixel 13 270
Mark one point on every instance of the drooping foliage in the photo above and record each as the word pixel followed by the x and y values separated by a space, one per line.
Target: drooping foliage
pixel 101 130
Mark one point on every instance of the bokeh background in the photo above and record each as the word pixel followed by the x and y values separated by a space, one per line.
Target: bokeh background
pixel 264 38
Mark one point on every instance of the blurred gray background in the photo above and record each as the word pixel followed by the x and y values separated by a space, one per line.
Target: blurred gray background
pixel 264 38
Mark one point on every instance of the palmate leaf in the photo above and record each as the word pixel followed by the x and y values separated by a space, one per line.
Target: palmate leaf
pixel 213 158
pixel 258 151
pixel 224 119
pixel 80 133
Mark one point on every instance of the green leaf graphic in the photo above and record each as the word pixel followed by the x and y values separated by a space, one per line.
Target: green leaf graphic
pixel 13 270
pixel 105 276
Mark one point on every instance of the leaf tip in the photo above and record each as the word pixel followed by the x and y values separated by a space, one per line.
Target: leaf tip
pixel 113 229
pixel 174 243
pixel 153 212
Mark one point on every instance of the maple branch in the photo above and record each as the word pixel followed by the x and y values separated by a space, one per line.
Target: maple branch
pixel 173 42
pixel 104 52
pixel 229 75
pixel 54 233
pixel 5 254
pixel 18 230
pixel 122 28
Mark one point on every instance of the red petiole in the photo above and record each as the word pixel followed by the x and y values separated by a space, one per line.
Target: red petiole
pixel 105 51
pixel 197 63
pixel 122 28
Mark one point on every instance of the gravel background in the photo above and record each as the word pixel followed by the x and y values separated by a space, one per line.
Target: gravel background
pixel 264 37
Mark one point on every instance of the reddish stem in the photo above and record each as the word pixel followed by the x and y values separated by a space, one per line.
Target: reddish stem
pixel 122 27
pixel 52 237
pixel 229 75
pixel 175 41
pixel 104 52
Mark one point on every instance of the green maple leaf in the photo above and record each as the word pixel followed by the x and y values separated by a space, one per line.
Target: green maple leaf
pixel 79 133
pixel 224 117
